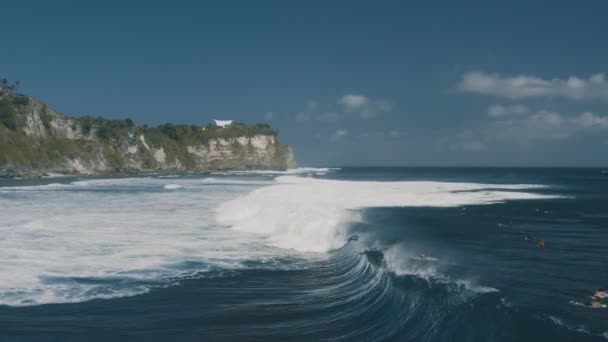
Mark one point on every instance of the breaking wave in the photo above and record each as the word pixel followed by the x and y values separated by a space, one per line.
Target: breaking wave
pixel 318 171
pixel 172 186
pixel 93 239
pixel 306 250
pixel 312 215
pixel 105 238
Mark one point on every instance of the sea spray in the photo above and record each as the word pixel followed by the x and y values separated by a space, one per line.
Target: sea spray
pixel 313 215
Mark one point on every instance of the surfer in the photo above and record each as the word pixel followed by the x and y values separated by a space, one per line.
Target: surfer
pixel 541 244
pixel 600 293
pixel 597 303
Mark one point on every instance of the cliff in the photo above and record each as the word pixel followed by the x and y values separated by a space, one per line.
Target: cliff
pixel 35 140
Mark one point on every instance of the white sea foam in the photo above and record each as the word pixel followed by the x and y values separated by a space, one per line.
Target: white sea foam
pixel 55 175
pixel 172 186
pixel 400 262
pixel 556 320
pixel 52 237
pixel 312 215
pixel 576 327
pixel 42 187
pixel 220 181
pixel 92 239
pixel 135 182
pixel 294 171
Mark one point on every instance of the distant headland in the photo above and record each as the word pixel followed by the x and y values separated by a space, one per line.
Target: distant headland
pixel 36 141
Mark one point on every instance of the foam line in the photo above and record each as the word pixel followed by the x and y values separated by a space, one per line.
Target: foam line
pixel 312 215
pixel 119 242
pixel 137 182
pixel 295 171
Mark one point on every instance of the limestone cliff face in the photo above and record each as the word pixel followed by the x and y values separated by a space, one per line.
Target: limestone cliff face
pixel 258 151
pixel 41 141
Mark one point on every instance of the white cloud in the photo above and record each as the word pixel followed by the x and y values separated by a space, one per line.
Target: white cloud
pixel 328 117
pixel 364 106
pixel 466 141
pixel 308 112
pixel 312 105
pixel 392 134
pixel 468 146
pixel 338 135
pixel 360 105
pixel 375 108
pixel 396 134
pixel 527 130
pixel 498 111
pixel 302 116
pixel 545 125
pixel 589 120
pixel 268 116
pixel 353 102
pixel 523 86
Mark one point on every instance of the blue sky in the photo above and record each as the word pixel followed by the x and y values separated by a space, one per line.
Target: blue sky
pixel 345 82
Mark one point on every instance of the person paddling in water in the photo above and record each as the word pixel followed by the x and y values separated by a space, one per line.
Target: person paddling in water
pixel 597 303
pixel 598 297
pixel 541 244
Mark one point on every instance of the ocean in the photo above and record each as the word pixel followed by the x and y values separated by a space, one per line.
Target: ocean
pixel 310 254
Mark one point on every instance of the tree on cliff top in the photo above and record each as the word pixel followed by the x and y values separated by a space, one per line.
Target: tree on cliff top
pixel 6 87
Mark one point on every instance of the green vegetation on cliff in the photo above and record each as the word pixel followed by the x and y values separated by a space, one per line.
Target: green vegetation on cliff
pixel 32 136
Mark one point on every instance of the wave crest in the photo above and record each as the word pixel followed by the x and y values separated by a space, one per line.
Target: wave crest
pixel 312 215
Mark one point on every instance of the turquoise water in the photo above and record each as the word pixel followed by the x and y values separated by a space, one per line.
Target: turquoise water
pixel 354 254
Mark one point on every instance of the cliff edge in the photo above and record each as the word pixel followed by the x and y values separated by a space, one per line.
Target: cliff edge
pixel 36 140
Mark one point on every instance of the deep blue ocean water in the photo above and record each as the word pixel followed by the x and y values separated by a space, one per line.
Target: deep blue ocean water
pixel 205 258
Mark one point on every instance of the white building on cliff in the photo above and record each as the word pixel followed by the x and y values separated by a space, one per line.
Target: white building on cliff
pixel 223 123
